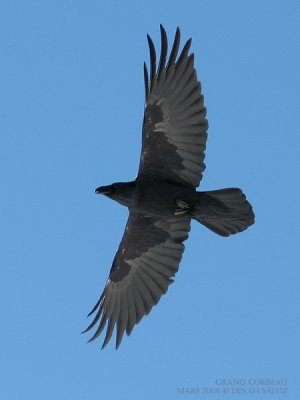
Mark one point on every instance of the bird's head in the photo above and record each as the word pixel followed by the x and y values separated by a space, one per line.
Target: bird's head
pixel 119 191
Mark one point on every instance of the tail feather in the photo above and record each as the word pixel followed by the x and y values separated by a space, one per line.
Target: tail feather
pixel 224 211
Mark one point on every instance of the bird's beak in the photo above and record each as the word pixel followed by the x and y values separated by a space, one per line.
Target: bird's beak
pixel 103 190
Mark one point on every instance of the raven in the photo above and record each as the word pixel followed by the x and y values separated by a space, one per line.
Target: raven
pixel 163 199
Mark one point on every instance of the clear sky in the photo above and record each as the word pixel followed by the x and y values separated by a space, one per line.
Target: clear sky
pixel 71 109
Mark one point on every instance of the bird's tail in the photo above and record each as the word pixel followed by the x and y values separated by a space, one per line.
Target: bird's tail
pixel 224 211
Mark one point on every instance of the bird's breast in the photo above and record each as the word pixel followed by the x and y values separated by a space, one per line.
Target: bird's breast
pixel 161 198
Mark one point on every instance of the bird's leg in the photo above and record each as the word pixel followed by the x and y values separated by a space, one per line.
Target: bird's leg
pixel 183 207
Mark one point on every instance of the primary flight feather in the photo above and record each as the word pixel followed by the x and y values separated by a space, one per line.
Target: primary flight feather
pixel 163 199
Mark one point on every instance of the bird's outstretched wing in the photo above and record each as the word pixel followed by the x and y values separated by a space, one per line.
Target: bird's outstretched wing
pixel 148 257
pixel 175 127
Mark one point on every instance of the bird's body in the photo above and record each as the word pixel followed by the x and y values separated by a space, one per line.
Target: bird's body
pixel 163 199
pixel 157 198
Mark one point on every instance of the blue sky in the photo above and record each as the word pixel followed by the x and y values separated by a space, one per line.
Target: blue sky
pixel 71 108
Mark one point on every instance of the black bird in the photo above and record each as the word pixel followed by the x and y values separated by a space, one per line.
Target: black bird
pixel 163 199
